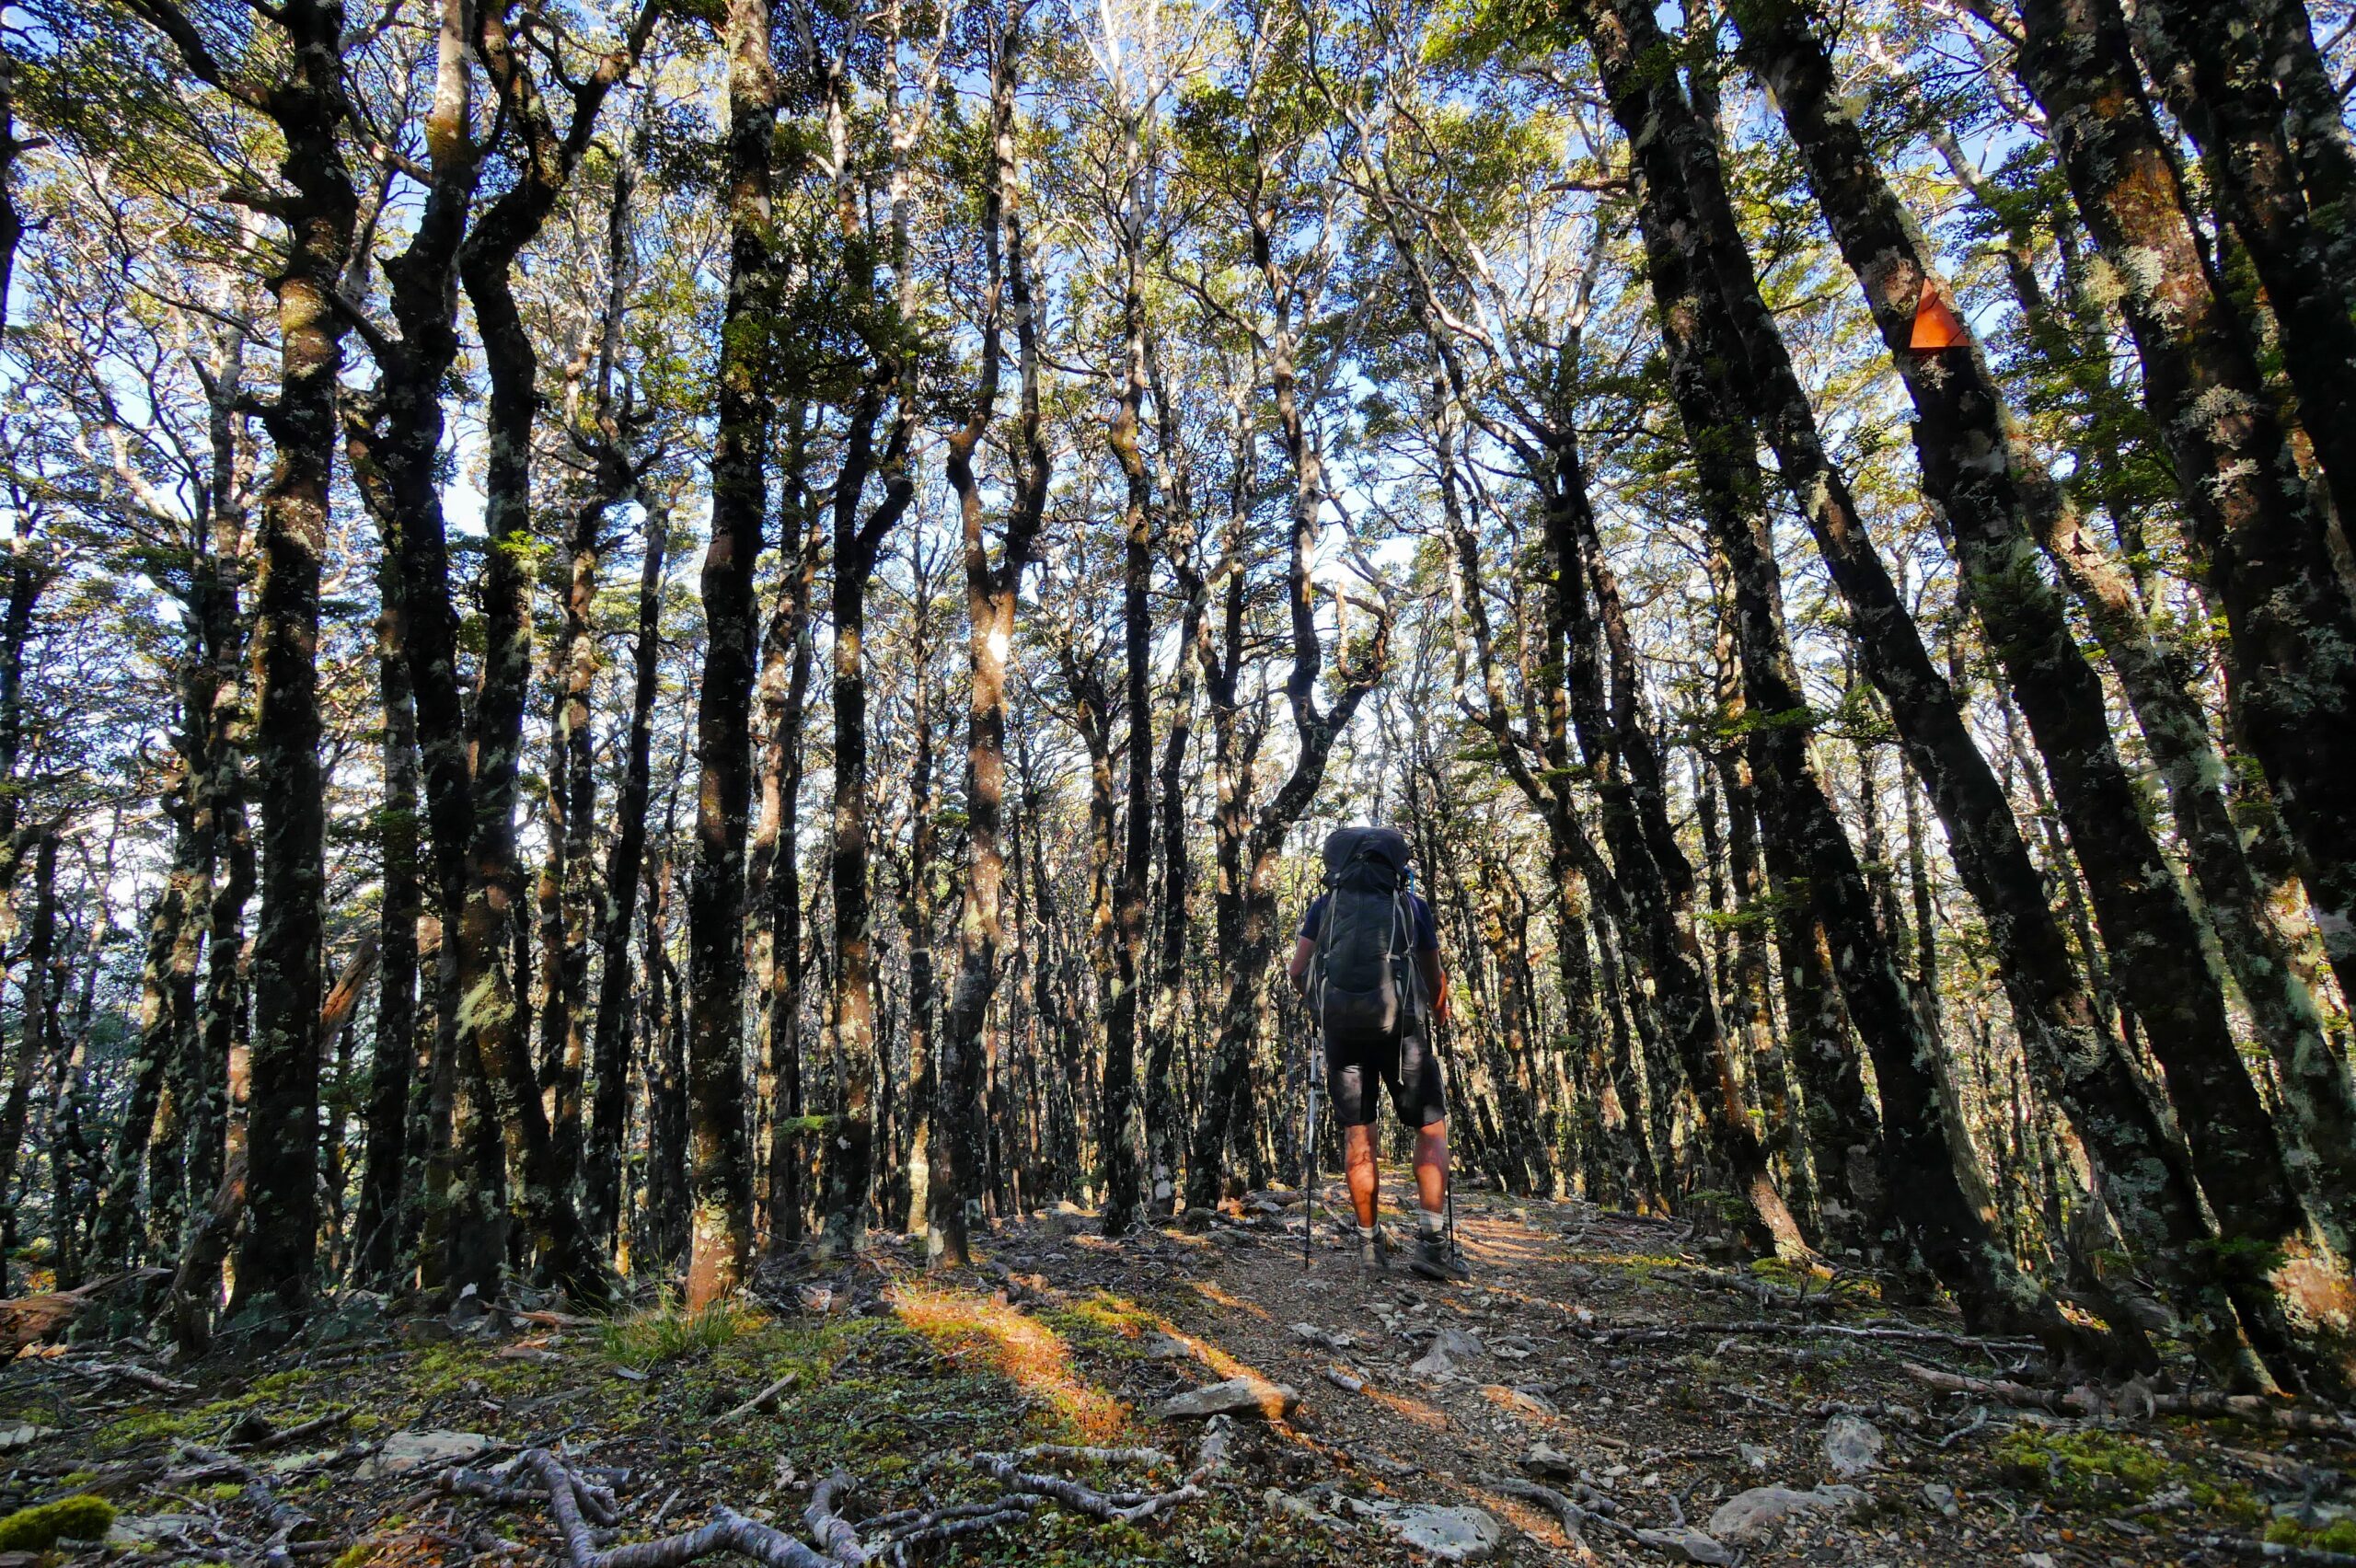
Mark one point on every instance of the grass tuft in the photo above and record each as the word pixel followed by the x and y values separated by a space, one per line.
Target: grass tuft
pixel 670 1332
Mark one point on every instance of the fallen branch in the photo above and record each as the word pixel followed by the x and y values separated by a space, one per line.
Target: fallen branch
pixel 836 1535
pixel 2087 1401
pixel 32 1320
pixel 579 1507
pixel 124 1371
pixel 1978 1419
pixel 1666 1333
pixel 1761 1292
pixel 1573 1518
pixel 255 1431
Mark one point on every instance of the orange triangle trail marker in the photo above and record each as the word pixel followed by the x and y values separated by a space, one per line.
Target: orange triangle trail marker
pixel 1936 325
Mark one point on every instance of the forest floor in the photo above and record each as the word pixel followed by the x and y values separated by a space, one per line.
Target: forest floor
pixel 1594 1355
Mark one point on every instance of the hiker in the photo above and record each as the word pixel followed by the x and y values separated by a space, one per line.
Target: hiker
pixel 1368 961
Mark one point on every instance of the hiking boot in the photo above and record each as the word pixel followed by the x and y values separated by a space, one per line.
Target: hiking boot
pixel 1373 1247
pixel 1433 1260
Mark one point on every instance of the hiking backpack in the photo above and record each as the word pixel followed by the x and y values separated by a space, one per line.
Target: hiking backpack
pixel 1361 985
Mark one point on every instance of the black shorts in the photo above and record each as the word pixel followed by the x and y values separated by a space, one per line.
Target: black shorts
pixel 1409 1069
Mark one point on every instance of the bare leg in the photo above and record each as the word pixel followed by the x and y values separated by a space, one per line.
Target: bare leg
pixel 1357 1158
pixel 1431 1165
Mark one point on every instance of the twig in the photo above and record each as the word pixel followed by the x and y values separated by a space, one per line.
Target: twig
pixel 765 1399
pixel 1978 1419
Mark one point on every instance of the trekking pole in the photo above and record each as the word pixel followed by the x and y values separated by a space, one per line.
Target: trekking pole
pixel 1448 1174
pixel 1308 1154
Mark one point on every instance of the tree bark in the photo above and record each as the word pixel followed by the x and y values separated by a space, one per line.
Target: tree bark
pixel 276 1256
pixel 625 857
pixel 2213 68
pixel 992 591
pixel 491 983
pixel 1315 728
pixel 722 1244
pixel 2291 625
pixel 1934 1201
pixel 35 1017
pixel 1991 489
pixel 378 1221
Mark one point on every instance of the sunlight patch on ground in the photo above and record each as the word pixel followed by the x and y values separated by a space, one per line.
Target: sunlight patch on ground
pixel 1218 1298
pixel 1416 1411
pixel 1126 1317
pixel 1009 1341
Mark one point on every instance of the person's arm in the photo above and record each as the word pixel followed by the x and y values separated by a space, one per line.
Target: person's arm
pixel 1296 967
pixel 1434 975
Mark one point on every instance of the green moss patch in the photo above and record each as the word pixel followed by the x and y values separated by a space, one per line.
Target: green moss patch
pixel 2080 1467
pixel 2338 1536
pixel 39 1527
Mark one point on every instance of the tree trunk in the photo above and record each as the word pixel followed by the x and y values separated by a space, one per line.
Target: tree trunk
pixel 2212 69
pixel 625 857
pixel 783 1162
pixel 378 1222
pixel 1933 1201
pixel 1990 487
pixel 2291 627
pixel 992 591
pixel 851 1161
pixel 275 1255
pixel 1245 966
pixel 492 989
pixel 722 1244
pixel 35 1015
pixel 1123 1158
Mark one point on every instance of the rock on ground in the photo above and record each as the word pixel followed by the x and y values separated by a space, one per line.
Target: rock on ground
pixel 1452 1534
pixel 1448 1347
pixel 1236 1396
pixel 406 1451
pixel 1751 1518
pixel 1852 1447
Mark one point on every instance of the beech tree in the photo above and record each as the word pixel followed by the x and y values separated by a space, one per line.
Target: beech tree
pixel 1116 449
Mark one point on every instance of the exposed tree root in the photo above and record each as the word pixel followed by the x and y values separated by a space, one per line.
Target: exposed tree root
pixel 2135 1399
pixel 582 1510
pixel 1114 1507
pixel 2270 1551
pixel 295 1534
pixel 1573 1518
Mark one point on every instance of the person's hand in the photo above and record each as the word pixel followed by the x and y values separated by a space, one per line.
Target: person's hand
pixel 1440 1008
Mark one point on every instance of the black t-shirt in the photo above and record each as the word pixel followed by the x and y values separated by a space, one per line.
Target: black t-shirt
pixel 1419 913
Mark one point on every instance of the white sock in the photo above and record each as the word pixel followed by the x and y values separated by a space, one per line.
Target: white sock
pixel 1433 1221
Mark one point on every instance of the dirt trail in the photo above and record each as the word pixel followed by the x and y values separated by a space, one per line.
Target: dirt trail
pixel 1593 1355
